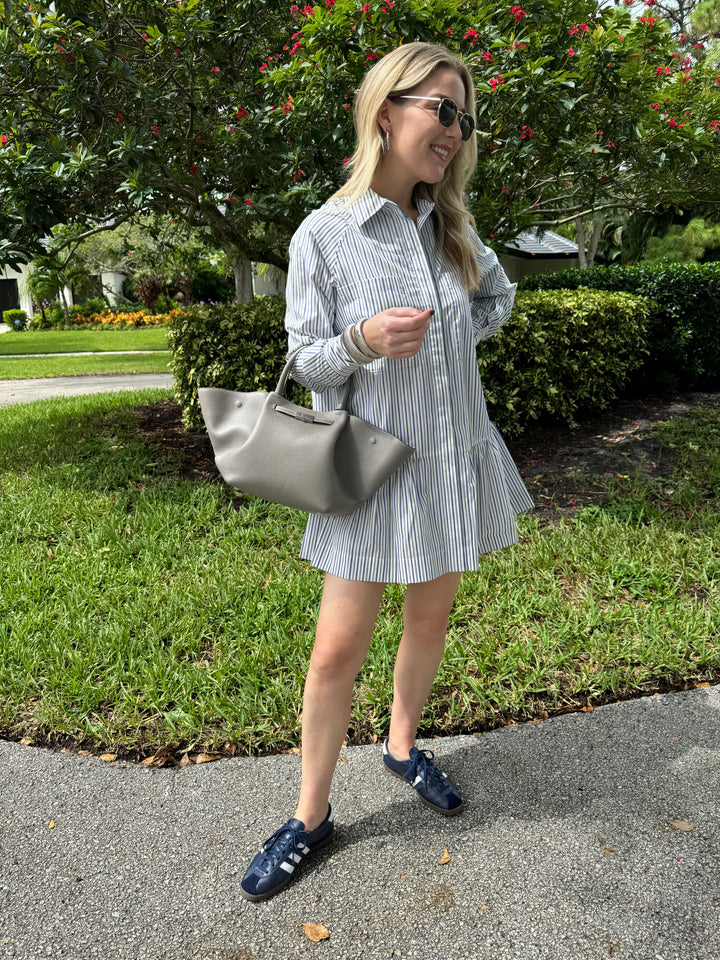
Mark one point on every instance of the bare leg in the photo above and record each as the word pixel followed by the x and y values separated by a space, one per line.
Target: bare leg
pixel 426 611
pixel 348 611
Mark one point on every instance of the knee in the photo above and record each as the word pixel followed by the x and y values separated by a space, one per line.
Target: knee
pixel 427 626
pixel 335 661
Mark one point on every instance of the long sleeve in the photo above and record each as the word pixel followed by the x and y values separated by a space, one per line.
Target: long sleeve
pixel 310 317
pixel 491 302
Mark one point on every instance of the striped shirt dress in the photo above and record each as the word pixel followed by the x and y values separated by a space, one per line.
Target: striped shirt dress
pixel 459 493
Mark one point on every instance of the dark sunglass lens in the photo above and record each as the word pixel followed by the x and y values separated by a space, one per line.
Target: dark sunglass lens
pixel 466 127
pixel 447 111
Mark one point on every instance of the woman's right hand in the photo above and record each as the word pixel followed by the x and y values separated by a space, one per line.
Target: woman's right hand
pixel 398 332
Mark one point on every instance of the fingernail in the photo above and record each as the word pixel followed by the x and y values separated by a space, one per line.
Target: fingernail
pixel 432 313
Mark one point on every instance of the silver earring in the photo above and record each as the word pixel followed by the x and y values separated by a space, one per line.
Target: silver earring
pixel 385 135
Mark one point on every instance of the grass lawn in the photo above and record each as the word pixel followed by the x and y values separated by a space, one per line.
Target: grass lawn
pixel 21 368
pixel 144 611
pixel 73 341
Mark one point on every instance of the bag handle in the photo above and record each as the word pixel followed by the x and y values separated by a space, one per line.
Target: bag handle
pixel 282 382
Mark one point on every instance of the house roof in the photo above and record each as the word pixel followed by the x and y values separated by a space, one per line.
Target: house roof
pixel 551 246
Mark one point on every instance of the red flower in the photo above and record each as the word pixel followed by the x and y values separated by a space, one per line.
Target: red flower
pixel 372 56
pixel 571 52
pixel 472 36
pixel 578 27
pixel 241 112
pixel 647 20
pixel 656 106
pixel 214 69
pixel 231 200
pixel 119 118
pixel 287 107
pixel 714 125
pixel 249 203
pixel 193 168
pixel 346 160
pixel 518 13
pixel 525 131
pixel 3 140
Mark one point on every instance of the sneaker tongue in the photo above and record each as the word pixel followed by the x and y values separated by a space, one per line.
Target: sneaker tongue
pixel 294 824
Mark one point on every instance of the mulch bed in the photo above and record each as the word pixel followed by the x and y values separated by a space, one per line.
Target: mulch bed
pixel 561 466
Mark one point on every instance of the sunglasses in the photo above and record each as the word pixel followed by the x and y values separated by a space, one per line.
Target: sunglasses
pixel 447 113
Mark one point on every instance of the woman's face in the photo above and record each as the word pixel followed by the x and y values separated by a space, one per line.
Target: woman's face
pixel 420 147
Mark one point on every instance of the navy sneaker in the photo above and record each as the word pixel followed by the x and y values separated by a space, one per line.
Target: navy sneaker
pixel 273 867
pixel 434 787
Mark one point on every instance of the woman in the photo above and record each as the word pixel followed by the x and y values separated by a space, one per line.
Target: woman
pixel 388 284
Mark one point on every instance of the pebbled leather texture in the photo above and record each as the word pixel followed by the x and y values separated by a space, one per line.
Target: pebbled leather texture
pixel 322 462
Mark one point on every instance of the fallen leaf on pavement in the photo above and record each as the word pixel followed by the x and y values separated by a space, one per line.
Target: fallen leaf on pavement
pixel 108 757
pixel 681 824
pixel 446 858
pixel 185 761
pixel 51 825
pixel 608 850
pixel 316 932
pixel 206 757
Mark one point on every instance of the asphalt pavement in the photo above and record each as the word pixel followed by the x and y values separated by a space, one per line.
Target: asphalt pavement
pixel 585 836
pixel 25 391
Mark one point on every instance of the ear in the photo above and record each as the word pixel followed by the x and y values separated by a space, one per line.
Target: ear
pixel 383 116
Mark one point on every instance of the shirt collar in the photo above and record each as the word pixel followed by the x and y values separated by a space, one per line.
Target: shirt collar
pixel 371 203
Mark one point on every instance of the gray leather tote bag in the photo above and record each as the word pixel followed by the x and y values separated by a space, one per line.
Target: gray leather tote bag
pixel 320 462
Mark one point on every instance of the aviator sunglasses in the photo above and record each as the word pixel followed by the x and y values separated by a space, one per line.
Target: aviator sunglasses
pixel 447 111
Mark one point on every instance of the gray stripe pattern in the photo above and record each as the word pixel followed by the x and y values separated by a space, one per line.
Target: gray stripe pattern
pixel 459 494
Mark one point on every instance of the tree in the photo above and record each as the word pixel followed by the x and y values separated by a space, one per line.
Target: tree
pixel 110 110
pixel 689 243
pixel 581 111
pixel 238 115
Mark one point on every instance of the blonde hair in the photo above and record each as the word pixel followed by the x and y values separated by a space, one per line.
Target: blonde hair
pixel 399 72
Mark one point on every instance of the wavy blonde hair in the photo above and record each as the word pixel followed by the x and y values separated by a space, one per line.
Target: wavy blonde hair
pixel 400 72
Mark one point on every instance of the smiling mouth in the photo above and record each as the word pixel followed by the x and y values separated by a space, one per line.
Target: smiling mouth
pixel 440 152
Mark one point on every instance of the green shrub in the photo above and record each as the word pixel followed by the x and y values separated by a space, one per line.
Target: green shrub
pixel 17 319
pixel 237 346
pixel 88 307
pixel 561 353
pixel 683 336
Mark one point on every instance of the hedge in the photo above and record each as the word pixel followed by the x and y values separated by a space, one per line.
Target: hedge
pixel 684 330
pixel 560 353
pixel 239 346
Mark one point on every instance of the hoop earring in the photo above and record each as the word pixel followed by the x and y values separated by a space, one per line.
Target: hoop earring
pixel 385 142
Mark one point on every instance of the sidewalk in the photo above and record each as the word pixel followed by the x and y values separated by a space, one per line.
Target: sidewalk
pixel 25 391
pixel 567 850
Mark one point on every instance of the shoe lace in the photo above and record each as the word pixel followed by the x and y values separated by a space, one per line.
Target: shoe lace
pixel 278 845
pixel 422 764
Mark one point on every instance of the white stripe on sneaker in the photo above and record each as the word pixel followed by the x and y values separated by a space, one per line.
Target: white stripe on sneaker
pixel 287 867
